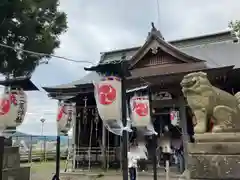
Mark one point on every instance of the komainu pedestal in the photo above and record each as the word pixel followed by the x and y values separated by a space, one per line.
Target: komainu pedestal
pixel 214 156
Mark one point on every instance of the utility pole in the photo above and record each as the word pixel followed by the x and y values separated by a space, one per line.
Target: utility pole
pixel 43 140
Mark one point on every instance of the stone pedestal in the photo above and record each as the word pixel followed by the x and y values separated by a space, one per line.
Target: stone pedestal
pixel 11 165
pixel 214 156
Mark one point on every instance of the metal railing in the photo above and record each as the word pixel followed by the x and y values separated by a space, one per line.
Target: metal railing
pixel 39 148
pixel 27 157
pixel 95 157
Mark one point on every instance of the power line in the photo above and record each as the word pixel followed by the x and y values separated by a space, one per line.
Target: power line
pixel 158 14
pixel 44 54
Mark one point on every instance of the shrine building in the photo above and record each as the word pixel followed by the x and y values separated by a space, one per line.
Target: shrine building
pixel 162 64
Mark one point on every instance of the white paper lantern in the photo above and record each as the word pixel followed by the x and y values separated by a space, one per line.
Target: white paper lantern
pixel 13 108
pixel 66 116
pixel 108 95
pixel 174 117
pixel 140 115
pixel 140 111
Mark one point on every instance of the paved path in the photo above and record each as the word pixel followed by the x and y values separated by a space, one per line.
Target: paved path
pixel 114 178
pixel 146 176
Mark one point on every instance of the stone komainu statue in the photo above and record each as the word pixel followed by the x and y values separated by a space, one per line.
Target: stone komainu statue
pixel 208 102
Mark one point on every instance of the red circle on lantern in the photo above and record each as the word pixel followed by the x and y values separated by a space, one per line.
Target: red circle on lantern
pixel 172 116
pixel 5 106
pixel 106 94
pixel 141 108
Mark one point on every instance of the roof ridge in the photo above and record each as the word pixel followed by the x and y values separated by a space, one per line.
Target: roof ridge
pixel 201 36
pixel 170 41
pixel 182 56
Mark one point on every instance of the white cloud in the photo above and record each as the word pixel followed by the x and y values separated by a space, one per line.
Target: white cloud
pixel 185 18
pixel 96 26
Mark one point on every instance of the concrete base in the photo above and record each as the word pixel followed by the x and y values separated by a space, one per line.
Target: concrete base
pixel 214 156
pixel 11 158
pixel 11 165
pixel 21 173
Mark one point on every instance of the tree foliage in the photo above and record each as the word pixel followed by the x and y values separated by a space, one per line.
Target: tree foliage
pixel 235 28
pixel 33 25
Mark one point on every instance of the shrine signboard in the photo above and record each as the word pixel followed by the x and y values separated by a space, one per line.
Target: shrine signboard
pixel 161 96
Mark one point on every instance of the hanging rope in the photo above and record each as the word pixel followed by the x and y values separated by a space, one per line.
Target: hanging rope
pixel 96 120
pixel 85 113
pixel 44 54
pixel 82 120
pixel 73 148
pixel 158 14
pixel 76 148
pixel 89 146
pixel 74 144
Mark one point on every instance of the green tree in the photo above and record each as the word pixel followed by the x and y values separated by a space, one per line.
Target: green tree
pixel 33 25
pixel 235 28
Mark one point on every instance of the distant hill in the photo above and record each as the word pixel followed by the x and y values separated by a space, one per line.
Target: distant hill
pixel 34 138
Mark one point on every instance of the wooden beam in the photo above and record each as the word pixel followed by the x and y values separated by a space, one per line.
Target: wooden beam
pixel 103 149
pixel 88 106
pixel 167 103
pixel 183 124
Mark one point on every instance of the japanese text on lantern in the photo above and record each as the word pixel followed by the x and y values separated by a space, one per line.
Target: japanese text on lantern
pixel 21 111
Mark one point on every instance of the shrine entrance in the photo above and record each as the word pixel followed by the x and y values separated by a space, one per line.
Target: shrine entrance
pixel 94 145
pixel 171 122
pixel 170 132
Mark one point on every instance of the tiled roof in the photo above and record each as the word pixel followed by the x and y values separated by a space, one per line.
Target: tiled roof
pixel 88 79
pixel 23 81
pixel 217 54
pixel 181 43
pixel 217 49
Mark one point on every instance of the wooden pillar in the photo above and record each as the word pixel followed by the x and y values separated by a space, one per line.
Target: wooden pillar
pixel 183 124
pixel 1 156
pixel 30 151
pixel 116 140
pixel 154 137
pixel 120 152
pixel 103 149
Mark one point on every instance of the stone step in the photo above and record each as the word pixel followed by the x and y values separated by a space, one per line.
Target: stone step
pixel 20 173
pixel 172 168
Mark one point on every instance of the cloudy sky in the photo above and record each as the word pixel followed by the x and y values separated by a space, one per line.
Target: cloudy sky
pixel 97 26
